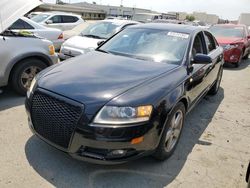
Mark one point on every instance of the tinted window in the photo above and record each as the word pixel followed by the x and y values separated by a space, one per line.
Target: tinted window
pixel 210 42
pixel 198 45
pixel 20 24
pixel 69 19
pixel 56 19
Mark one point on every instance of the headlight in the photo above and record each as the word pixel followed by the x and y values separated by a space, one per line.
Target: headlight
pixel 51 50
pixel 32 86
pixel 231 46
pixel 123 115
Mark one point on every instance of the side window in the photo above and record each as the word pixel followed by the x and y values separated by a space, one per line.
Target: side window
pixel 198 46
pixel 20 24
pixel 211 45
pixel 69 19
pixel 56 19
pixel 27 25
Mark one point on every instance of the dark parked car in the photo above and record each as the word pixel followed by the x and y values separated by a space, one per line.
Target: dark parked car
pixel 129 97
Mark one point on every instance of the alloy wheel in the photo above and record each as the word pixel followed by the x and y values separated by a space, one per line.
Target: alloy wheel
pixel 174 130
pixel 28 75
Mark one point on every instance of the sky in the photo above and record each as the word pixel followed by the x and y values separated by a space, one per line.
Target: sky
pixel 226 9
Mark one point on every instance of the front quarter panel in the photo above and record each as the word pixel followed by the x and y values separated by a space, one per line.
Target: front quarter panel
pixel 162 92
pixel 14 49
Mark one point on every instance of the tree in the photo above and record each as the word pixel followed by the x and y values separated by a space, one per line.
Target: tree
pixel 190 18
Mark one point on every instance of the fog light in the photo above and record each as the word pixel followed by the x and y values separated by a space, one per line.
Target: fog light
pixel 119 152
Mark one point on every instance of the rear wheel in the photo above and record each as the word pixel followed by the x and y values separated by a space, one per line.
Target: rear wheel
pixel 171 133
pixel 24 73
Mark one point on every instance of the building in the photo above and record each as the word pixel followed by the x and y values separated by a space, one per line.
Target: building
pixel 87 13
pixel 207 18
pixel 244 19
pixel 115 11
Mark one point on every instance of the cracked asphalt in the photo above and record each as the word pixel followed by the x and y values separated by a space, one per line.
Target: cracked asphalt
pixel 214 149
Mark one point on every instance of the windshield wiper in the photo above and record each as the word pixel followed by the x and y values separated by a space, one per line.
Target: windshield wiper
pixel 93 36
pixel 100 50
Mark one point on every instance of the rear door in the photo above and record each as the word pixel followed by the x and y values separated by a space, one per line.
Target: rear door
pixel 56 22
pixel 214 52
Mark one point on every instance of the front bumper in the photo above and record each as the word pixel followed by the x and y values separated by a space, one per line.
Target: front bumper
pixel 100 145
pixel 232 55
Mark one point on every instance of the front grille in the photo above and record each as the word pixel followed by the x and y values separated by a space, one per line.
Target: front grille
pixel 54 119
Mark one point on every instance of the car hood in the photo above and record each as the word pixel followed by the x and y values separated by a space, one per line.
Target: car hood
pixel 96 77
pixel 228 40
pixel 11 11
pixel 80 42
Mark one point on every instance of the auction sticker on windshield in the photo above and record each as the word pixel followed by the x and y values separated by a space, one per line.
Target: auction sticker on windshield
pixel 180 35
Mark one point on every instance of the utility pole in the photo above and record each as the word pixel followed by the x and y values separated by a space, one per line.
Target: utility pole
pixel 121 2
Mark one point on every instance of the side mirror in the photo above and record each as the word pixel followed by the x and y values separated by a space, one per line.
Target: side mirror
pixel 100 43
pixel 49 22
pixel 248 37
pixel 202 59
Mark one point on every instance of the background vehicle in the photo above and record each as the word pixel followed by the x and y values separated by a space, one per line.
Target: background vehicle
pixel 129 97
pixel 146 17
pixel 90 36
pixel 32 14
pixel 59 20
pixel 22 55
pixel 235 41
pixel 52 34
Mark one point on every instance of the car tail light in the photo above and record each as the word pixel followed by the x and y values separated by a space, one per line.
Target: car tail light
pixel 60 36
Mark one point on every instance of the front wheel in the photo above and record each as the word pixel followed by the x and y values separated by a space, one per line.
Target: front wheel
pixel 171 133
pixel 24 73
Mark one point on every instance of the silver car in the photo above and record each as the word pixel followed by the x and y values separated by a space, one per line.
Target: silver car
pixel 90 36
pixel 22 55
pixel 52 34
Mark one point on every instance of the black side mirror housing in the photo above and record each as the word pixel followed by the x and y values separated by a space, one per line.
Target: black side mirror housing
pixel 201 59
pixel 100 43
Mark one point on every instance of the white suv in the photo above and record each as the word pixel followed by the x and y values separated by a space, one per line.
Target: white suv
pixel 59 20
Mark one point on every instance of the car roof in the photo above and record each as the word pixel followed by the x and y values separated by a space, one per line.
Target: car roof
pixel 120 22
pixel 60 13
pixel 173 27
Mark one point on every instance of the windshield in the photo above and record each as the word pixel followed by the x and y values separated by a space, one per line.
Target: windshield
pixel 219 31
pixel 40 18
pixel 148 44
pixel 102 30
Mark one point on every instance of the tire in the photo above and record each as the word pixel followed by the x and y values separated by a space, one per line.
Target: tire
pixel 215 88
pixel 24 72
pixel 246 56
pixel 165 149
pixel 236 65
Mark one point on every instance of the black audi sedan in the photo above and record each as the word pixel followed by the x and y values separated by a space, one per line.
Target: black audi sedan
pixel 129 97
